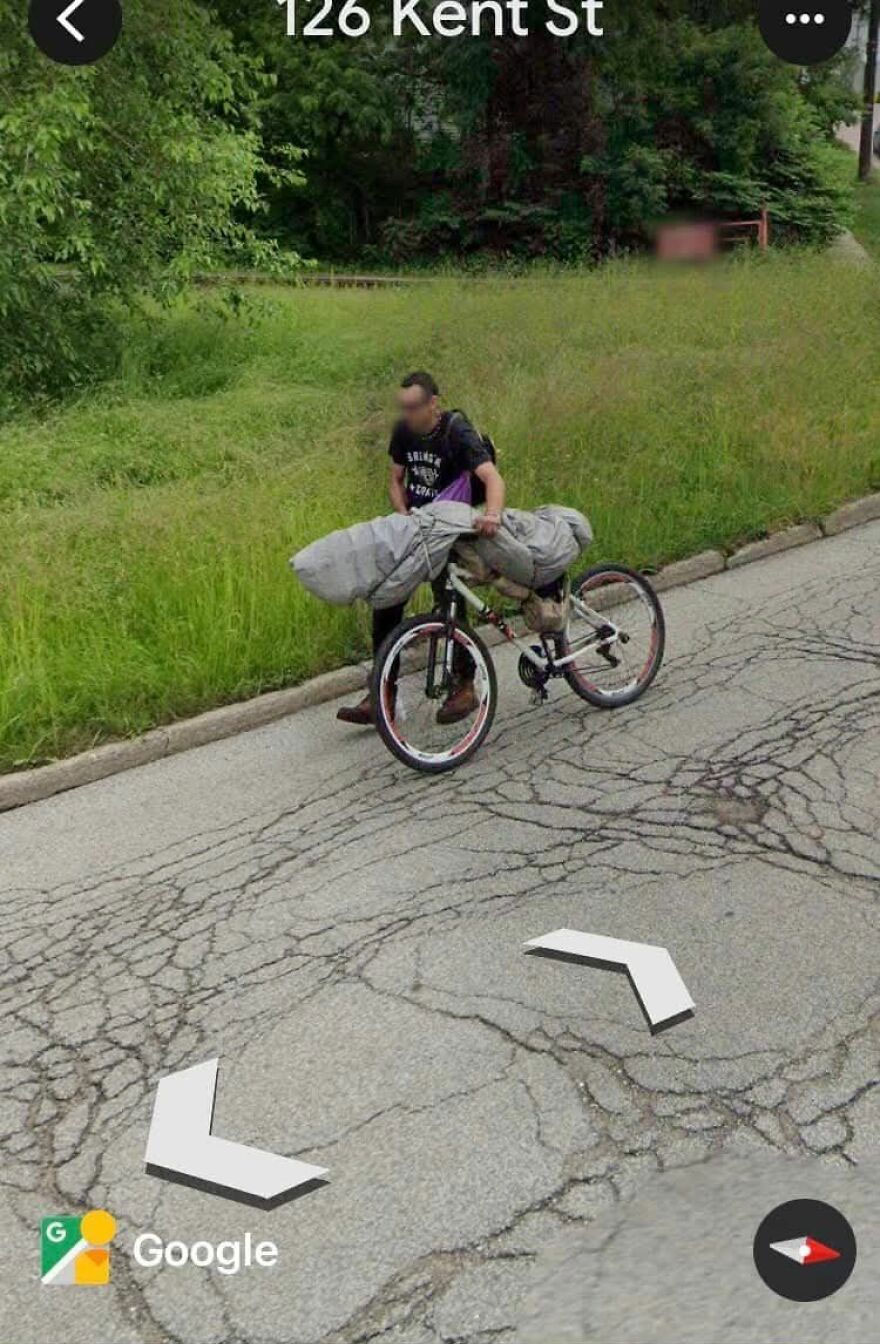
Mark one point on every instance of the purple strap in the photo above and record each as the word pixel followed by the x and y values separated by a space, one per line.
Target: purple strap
pixel 459 490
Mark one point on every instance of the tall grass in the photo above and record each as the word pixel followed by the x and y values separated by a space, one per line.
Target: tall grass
pixel 144 533
pixel 866 225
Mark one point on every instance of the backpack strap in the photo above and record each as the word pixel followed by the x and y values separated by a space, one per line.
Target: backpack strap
pixel 478 490
pixel 484 438
pixel 453 416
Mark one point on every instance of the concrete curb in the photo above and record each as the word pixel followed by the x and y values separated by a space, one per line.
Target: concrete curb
pixel 865 510
pixel 688 571
pixel 776 542
pixel 30 786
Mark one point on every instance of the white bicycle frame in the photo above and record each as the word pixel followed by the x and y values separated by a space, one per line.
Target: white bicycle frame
pixel 610 631
pixel 400 716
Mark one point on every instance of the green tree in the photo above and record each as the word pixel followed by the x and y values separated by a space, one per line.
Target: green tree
pixel 419 147
pixel 119 179
pixel 537 145
pixel 353 106
pixel 702 116
pixel 579 146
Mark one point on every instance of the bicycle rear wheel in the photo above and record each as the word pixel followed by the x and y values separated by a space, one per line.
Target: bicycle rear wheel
pixel 615 637
pixel 413 675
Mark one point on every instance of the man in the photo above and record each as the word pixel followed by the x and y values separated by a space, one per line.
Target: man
pixel 430 448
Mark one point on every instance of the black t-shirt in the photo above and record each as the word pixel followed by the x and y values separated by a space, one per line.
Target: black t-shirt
pixel 432 461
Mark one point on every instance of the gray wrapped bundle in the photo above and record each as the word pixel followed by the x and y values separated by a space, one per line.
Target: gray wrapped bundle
pixel 383 562
pixel 535 548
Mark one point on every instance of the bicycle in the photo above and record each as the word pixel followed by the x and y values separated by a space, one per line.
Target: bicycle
pixel 610 608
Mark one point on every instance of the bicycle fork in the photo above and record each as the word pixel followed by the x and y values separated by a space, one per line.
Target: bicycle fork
pixel 445 644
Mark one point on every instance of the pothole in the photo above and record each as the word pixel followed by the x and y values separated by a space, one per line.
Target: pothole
pixel 734 811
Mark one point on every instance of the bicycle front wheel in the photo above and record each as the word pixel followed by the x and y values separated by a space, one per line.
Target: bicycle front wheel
pixel 417 669
pixel 614 642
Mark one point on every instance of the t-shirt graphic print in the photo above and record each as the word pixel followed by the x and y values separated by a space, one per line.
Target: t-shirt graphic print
pixel 433 461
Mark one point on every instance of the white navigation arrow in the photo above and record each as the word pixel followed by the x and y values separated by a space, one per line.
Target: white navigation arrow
pixel 181 1146
pixel 655 979
pixel 64 18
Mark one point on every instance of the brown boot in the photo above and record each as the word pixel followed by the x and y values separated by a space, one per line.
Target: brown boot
pixel 361 715
pixel 459 705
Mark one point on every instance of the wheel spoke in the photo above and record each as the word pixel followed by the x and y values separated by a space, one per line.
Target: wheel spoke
pixel 426 721
pixel 617 666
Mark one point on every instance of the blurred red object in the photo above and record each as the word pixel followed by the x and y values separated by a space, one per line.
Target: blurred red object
pixel 699 240
pixel 687 242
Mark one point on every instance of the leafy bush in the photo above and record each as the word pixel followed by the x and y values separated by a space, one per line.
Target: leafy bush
pixel 118 179
pixel 537 146
pixel 707 119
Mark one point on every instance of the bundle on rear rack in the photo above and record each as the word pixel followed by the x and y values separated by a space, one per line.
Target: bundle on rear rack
pixel 545 611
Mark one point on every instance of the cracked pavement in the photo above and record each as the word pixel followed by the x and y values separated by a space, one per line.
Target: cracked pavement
pixel 347 937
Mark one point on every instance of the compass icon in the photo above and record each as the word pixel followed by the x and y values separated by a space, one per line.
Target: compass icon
pixel 804 1250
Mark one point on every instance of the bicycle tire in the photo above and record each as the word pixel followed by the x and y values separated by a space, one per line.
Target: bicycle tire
pixel 606 700
pixel 390 651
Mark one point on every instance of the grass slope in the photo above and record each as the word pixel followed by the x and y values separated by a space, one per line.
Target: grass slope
pixel 867 221
pixel 144 532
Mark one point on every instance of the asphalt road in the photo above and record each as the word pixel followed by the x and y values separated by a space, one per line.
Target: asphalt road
pixel 347 937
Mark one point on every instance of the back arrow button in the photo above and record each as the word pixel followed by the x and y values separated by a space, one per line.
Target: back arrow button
pixel 64 20
pixel 96 29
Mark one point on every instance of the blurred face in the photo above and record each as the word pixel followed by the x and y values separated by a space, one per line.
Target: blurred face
pixel 418 408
